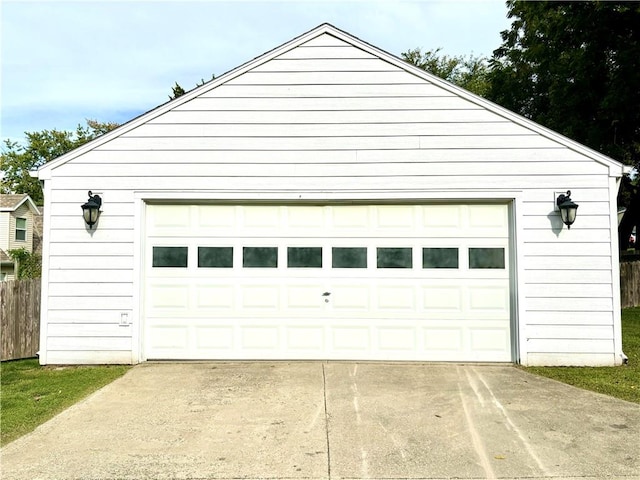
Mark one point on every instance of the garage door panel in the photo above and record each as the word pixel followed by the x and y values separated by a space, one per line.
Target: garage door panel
pixel 169 337
pixel 350 298
pixel 174 297
pixel 489 339
pixel 215 297
pixel 345 339
pixel 399 339
pixel 259 337
pixel 437 299
pixel 309 339
pixel 217 338
pixel 443 339
pixel 381 300
pixel 396 298
pixel 304 297
pixel 263 297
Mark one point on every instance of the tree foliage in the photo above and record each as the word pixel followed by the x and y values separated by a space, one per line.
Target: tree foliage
pixel 178 91
pixel 28 264
pixel 469 72
pixel 16 160
pixel 575 68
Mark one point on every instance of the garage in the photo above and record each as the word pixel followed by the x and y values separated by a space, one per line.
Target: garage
pixel 357 282
pixel 328 200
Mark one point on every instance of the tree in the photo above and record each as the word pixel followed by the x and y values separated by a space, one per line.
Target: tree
pixel 178 91
pixel 16 160
pixel 469 72
pixel 575 68
pixel 28 264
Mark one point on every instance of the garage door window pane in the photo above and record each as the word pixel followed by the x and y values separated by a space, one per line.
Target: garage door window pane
pixel 215 257
pixel 170 257
pixel 439 258
pixel 260 257
pixel 343 257
pixel 304 257
pixel 395 258
pixel 486 258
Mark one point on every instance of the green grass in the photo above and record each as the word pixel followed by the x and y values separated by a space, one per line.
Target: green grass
pixel 31 394
pixel 621 382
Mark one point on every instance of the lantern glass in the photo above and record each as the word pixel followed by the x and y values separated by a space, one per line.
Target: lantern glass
pixel 568 212
pixel 91 210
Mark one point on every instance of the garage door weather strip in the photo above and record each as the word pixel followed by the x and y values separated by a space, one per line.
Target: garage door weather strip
pixel 326 421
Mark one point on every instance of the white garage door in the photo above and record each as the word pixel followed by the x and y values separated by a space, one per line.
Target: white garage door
pixel 353 282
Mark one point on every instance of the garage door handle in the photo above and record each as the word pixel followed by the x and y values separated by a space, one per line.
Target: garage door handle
pixel 326 294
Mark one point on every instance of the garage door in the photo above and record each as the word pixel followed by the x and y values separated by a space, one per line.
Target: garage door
pixel 353 282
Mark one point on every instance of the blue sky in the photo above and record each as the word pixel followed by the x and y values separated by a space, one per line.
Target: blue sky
pixel 63 62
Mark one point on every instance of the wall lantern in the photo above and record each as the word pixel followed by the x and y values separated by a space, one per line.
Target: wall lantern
pixel 567 208
pixel 91 209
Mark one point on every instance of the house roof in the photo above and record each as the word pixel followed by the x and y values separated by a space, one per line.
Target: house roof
pixel 616 169
pixel 4 258
pixel 10 202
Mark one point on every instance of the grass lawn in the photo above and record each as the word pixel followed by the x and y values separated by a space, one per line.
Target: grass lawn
pixel 621 382
pixel 31 394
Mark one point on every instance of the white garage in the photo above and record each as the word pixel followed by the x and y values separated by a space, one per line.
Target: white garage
pixel 328 200
pixel 367 282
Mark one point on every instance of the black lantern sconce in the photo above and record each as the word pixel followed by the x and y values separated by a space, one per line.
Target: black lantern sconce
pixel 567 208
pixel 91 209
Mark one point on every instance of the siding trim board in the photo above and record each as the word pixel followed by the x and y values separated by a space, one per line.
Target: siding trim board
pixel 299 127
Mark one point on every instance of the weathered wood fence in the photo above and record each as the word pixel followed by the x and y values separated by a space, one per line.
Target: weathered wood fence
pixel 19 318
pixel 630 284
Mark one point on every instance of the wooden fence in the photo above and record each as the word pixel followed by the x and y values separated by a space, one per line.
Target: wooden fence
pixel 19 318
pixel 630 284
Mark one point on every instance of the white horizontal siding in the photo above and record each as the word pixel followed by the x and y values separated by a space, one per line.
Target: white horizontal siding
pixel 71 275
pixel 317 117
pixel 324 78
pixel 355 169
pixel 231 90
pixel 573 277
pixel 327 118
pixel 89 330
pixel 90 357
pixel 326 104
pixel 574 318
pixel 154 159
pixel 336 51
pixel 83 318
pixel 566 332
pixel 572 360
pixel 325 130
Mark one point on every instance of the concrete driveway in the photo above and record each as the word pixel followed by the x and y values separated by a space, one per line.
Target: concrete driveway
pixel 313 420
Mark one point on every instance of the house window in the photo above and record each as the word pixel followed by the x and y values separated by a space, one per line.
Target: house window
pixel 21 229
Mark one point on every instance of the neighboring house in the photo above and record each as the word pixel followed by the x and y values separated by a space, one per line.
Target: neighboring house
pixel 18 217
pixel 328 200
